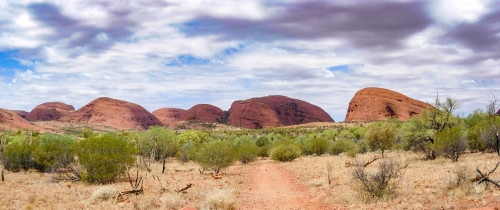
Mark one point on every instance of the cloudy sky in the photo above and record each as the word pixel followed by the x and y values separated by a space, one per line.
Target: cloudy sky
pixel 162 53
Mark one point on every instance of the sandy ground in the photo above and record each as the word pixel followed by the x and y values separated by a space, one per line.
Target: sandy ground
pixel 270 186
pixel 264 184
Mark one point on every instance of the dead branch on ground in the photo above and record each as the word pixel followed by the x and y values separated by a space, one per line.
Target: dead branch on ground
pixel 185 188
pixel 484 177
pixel 136 186
pixel 361 163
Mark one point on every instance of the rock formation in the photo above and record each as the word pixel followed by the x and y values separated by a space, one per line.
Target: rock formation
pixel 274 111
pixel 372 103
pixel 11 120
pixel 204 113
pixel 49 111
pixel 21 113
pixel 168 116
pixel 115 113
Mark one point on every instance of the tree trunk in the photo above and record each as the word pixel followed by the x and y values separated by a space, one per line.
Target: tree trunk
pixel 164 160
pixel 382 153
pixel 498 145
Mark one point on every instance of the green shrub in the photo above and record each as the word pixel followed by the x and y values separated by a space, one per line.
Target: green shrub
pixel 104 157
pixel 363 146
pixel 303 142
pixel 318 145
pixel 247 152
pixel 216 155
pixel 187 152
pixel 18 153
pixel 53 151
pixel 451 143
pixel 262 141
pixel 341 146
pixel 285 152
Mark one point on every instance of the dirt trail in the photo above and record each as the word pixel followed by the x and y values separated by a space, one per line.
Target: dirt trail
pixel 270 186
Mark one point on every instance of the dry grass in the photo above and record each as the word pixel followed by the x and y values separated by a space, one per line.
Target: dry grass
pixel 425 184
pixel 35 190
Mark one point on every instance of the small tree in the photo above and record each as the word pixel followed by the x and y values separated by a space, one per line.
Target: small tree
pixel 104 157
pixel 158 143
pixel 216 155
pixel 419 133
pixel 381 136
pixel 451 143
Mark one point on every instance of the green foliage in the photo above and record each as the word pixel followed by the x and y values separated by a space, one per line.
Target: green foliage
pixel 216 155
pixel 330 134
pixel 285 152
pixel 417 137
pixel 318 145
pixel 187 152
pixel 53 151
pixel 105 157
pixel 18 153
pixel 157 143
pixel 346 135
pixel 381 135
pixel 262 141
pixel 419 133
pixel 363 146
pixel 341 146
pixel 189 135
pixel 451 142
pixel 247 152
pixel 86 133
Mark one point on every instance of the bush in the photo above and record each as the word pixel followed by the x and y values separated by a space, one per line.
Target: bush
pixel 341 146
pixel 157 143
pixel 216 155
pixel 318 145
pixel 382 183
pixel 451 143
pixel 381 135
pixel 104 157
pixel 247 152
pixel 187 152
pixel 18 153
pixel 285 152
pixel 53 151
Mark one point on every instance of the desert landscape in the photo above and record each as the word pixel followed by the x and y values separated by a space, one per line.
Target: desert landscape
pixel 286 104
pixel 271 152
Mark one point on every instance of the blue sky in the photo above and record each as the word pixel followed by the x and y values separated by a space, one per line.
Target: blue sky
pixel 166 53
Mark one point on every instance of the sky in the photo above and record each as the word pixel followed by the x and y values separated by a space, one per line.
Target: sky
pixel 166 53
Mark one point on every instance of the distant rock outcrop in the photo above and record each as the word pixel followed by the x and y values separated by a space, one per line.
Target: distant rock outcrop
pixel 50 111
pixel 11 120
pixel 115 113
pixel 168 116
pixel 204 113
pixel 21 113
pixel 370 104
pixel 274 111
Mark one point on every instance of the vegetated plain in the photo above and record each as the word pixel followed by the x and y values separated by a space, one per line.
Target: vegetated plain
pixel 425 162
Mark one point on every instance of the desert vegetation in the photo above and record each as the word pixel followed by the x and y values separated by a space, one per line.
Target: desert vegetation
pixel 375 162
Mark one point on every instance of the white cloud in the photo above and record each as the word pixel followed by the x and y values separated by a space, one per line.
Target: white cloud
pixel 456 11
